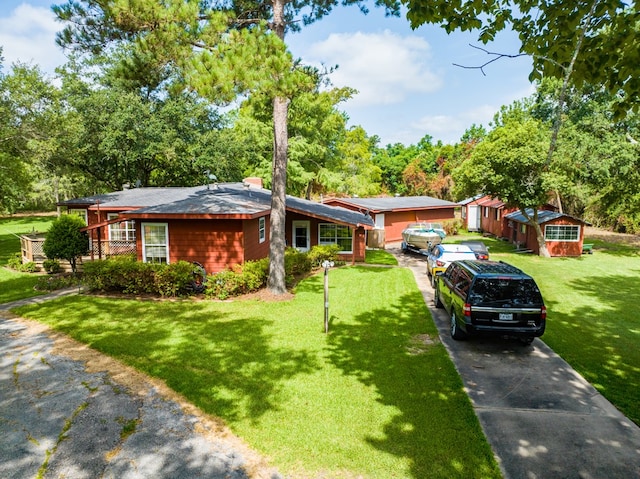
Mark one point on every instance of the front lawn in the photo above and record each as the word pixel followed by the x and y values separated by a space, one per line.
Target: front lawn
pixel 15 285
pixel 378 397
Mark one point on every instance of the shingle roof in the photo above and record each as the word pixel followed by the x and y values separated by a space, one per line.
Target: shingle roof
pixel 231 199
pixel 397 203
pixel 544 216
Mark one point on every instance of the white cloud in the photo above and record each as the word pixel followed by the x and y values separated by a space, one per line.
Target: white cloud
pixel 27 35
pixel 384 67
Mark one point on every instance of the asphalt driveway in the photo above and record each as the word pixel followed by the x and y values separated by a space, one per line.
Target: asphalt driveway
pixel 542 419
pixel 59 420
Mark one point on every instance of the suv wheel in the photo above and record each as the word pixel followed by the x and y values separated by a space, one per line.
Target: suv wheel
pixel 436 299
pixel 456 332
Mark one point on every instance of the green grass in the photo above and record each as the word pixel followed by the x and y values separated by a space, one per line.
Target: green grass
pixel 371 399
pixel 380 256
pixel 16 285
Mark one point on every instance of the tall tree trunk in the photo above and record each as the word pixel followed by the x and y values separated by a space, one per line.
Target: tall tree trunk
pixel 533 222
pixel 276 282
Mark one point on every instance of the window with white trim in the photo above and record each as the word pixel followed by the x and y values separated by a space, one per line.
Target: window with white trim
pixel 155 242
pixel 124 231
pixel 562 233
pixel 329 233
pixel 262 230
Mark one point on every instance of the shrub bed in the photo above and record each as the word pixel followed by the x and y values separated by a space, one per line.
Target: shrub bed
pixel 128 276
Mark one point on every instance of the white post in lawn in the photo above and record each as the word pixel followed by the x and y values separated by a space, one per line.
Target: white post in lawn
pixel 326 265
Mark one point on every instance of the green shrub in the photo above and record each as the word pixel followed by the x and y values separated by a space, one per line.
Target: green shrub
pixel 174 279
pixel 296 263
pixel 53 283
pixel 321 253
pixel 452 227
pixel 65 240
pixel 51 266
pixel 15 262
pixel 242 279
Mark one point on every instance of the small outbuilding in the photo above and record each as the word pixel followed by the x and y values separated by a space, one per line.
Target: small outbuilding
pixel 563 234
pixel 391 215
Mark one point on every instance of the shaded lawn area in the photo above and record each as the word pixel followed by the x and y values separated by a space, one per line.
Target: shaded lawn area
pixel 15 285
pixel 377 397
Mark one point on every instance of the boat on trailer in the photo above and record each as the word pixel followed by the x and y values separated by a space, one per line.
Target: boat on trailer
pixel 421 237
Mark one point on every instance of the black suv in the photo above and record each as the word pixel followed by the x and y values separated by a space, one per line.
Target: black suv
pixel 490 297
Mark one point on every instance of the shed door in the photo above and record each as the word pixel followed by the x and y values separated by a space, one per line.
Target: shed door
pixel 301 235
pixel 473 221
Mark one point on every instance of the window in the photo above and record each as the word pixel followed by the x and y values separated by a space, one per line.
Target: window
pixel 78 212
pixel 497 210
pixel 562 233
pixel 523 228
pixel 125 231
pixel 485 210
pixel 155 243
pixel 336 234
pixel 262 230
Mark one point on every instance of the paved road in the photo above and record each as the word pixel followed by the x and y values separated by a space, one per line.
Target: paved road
pixel 542 419
pixel 61 421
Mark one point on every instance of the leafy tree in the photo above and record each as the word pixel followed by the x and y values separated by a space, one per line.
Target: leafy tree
pixel 224 49
pixel 65 240
pixel 592 41
pixel 359 175
pixel 510 164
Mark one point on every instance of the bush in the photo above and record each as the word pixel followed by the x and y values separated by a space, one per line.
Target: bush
pixel 175 279
pixel 243 279
pixel 65 240
pixel 452 227
pixel 15 262
pixel 322 253
pixel 53 283
pixel 125 275
pixel 51 266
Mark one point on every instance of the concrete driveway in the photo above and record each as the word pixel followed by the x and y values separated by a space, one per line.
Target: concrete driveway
pixel 542 419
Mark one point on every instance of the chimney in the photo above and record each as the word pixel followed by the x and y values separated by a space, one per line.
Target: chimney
pixel 253 180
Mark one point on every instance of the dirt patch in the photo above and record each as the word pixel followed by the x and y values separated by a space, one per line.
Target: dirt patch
pixel 611 237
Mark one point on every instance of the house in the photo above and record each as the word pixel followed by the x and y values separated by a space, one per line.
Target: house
pixel 217 225
pixel 563 234
pixel 391 215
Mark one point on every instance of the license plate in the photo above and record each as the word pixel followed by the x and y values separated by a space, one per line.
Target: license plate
pixel 505 316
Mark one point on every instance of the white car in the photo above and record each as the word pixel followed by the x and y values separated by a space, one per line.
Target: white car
pixel 442 255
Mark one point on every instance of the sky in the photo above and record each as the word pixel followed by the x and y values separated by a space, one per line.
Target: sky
pixel 408 85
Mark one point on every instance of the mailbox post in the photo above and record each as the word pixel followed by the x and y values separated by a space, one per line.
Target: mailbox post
pixel 326 265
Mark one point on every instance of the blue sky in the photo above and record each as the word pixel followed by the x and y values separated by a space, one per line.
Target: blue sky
pixel 407 83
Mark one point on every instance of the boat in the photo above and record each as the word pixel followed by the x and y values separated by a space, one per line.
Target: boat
pixel 422 236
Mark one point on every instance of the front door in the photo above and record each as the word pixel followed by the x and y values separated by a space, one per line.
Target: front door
pixel 301 235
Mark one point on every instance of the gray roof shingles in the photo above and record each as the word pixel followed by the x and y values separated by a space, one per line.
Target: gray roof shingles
pixel 220 199
pixel 398 203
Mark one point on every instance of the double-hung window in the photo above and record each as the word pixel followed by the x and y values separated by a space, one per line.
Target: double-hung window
pixel 155 242
pixel 262 229
pixel 562 232
pixel 125 231
pixel 330 233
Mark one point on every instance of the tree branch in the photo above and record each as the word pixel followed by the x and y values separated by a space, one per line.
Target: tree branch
pixel 498 56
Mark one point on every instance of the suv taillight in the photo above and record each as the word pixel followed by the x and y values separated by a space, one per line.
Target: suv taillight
pixel 543 312
pixel 439 263
pixel 466 309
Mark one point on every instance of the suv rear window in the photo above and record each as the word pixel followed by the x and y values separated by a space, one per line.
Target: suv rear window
pixel 488 291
